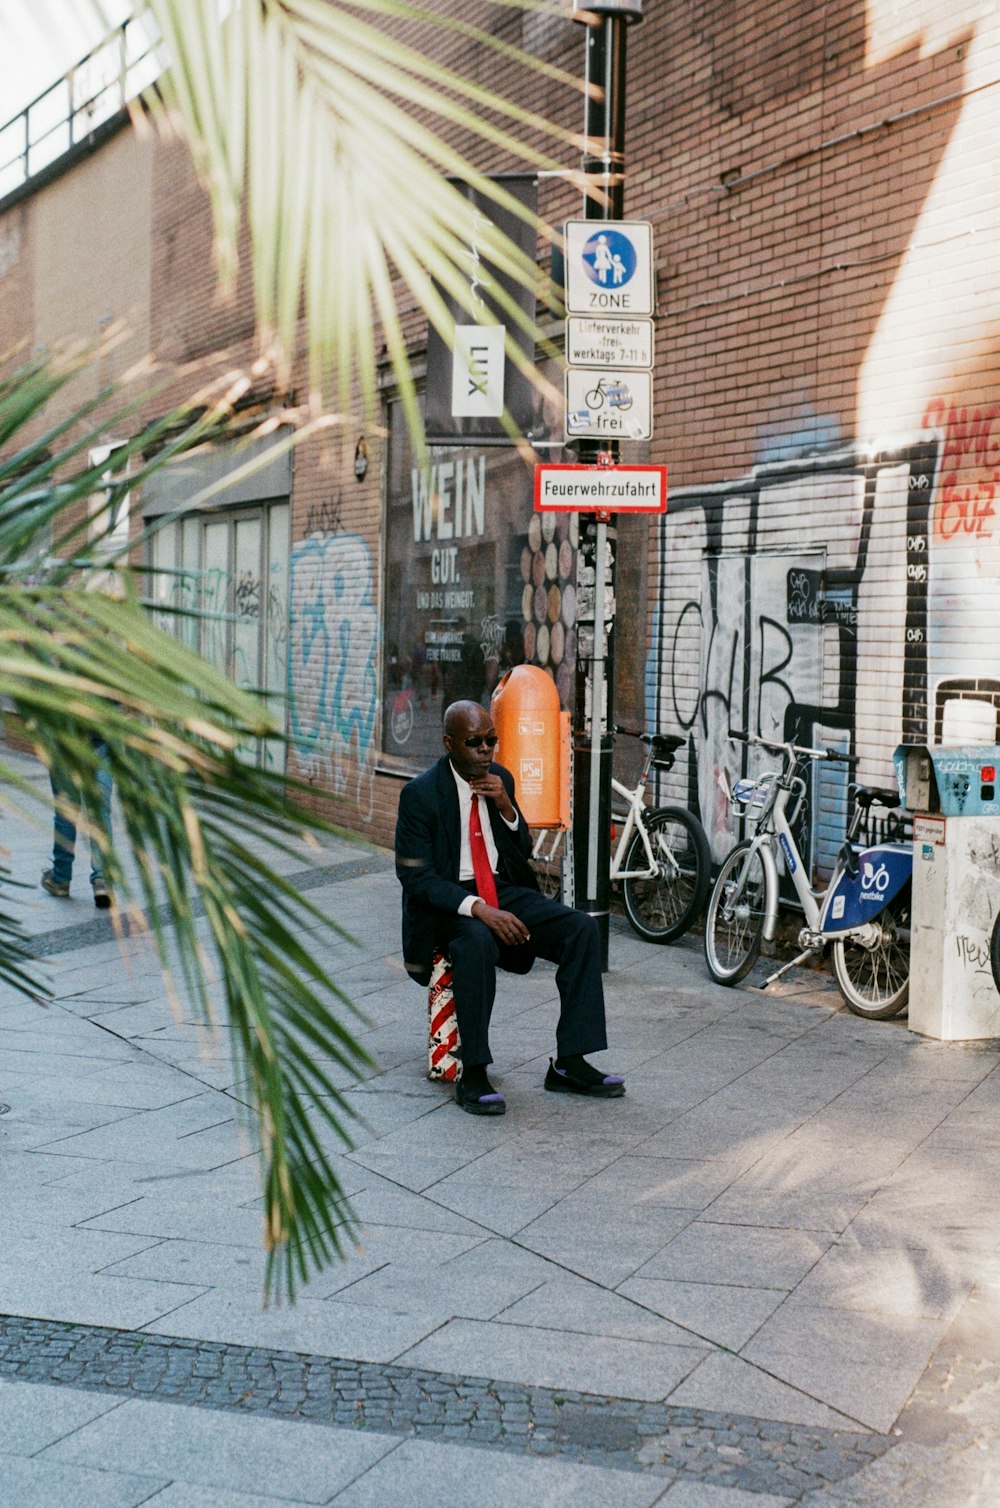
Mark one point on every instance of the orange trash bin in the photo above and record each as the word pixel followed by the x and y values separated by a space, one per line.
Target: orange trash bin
pixel 534 743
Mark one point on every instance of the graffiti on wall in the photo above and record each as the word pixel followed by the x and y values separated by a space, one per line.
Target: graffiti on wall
pixel 963 566
pixel 323 517
pixel 794 605
pixel 969 487
pixel 332 680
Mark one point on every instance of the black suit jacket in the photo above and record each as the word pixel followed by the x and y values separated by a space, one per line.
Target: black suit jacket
pixel 428 850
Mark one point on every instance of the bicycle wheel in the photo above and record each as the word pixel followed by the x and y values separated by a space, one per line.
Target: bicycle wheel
pixel 875 980
pixel 734 922
pixel 663 907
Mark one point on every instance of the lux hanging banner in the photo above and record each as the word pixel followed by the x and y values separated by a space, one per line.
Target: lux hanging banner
pixel 472 380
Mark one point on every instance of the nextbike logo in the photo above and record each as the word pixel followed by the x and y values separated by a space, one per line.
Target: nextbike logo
pixel 874 882
pixel 786 849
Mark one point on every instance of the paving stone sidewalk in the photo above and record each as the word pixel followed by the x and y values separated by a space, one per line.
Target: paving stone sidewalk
pixel 767 1276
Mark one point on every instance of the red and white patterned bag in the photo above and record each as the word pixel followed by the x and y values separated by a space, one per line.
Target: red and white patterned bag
pixel 442 1043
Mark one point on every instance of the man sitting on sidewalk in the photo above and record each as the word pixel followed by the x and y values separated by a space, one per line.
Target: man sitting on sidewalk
pixel 462 858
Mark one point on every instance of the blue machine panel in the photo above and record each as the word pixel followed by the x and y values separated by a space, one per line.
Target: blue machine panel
pixel 957 782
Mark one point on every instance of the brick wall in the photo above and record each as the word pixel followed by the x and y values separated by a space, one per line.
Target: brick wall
pixel 827 380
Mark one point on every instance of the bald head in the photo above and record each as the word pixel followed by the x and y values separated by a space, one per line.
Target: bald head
pixel 467 727
pixel 458 716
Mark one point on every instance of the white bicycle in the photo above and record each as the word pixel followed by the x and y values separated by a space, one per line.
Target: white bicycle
pixel 863 913
pixel 660 855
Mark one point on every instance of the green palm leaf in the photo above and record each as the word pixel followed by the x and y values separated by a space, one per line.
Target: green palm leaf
pixel 339 138
pixel 314 122
pixel 203 827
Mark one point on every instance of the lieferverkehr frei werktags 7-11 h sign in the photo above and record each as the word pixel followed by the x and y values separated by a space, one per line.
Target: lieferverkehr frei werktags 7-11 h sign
pixel 625 344
pixel 609 334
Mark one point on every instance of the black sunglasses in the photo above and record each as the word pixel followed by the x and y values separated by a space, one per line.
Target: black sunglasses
pixel 489 739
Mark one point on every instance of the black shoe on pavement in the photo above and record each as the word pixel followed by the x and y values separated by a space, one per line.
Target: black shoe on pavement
pixel 476 1094
pixel 574 1075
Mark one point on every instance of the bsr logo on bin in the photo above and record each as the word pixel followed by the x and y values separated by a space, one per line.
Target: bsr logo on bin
pixel 532 773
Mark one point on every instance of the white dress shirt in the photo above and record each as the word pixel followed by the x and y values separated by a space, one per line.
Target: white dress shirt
pixel 465 869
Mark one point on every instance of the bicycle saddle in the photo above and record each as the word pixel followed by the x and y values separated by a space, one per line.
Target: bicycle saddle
pixel 664 747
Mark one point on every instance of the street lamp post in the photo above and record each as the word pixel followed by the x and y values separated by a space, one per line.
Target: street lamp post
pixel 607 24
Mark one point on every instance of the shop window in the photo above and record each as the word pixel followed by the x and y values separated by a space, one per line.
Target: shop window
pixel 475 583
pixel 220 581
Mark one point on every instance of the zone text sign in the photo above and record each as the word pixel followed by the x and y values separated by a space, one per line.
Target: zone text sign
pixel 600 489
pixel 609 267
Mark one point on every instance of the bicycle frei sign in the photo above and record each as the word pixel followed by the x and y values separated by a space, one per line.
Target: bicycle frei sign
pixel 600 489
pixel 608 405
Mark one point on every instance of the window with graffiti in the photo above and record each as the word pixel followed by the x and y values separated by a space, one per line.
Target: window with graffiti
pixel 221 580
pixel 219 569
pixel 475 583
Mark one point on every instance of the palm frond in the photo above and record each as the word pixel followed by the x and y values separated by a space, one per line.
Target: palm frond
pixel 342 136
pixel 202 826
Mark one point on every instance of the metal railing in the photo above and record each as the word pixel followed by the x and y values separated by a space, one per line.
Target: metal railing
pixel 93 91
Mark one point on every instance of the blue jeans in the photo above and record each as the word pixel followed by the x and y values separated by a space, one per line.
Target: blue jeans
pixel 64 844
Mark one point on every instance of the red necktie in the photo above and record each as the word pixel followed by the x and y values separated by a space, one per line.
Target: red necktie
pixel 481 867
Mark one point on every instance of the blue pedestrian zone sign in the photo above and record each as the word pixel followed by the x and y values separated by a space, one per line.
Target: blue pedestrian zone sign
pixel 610 259
pixel 609 267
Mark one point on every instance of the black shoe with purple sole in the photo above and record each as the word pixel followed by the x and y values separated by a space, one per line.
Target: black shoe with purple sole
pixel 576 1076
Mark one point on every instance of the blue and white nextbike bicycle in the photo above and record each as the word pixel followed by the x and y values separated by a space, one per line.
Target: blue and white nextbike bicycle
pixel 864 911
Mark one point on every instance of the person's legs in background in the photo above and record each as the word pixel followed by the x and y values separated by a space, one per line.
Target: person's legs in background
pixel 66 795
pixel 101 825
pixel 57 879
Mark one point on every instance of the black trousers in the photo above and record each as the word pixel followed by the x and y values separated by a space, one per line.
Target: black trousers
pixel 567 938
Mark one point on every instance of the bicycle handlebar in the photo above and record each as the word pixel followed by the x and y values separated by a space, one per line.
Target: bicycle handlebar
pixel 673 739
pixel 794 750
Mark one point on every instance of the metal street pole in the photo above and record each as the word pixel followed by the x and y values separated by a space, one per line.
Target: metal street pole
pixel 604 165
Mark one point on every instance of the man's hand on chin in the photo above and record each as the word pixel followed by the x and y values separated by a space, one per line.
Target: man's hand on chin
pixel 493 788
pixel 503 924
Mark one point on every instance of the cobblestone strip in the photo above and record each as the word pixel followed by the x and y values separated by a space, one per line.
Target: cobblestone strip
pixel 724 1449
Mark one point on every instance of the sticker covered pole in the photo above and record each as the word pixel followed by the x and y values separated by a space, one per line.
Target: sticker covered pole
pixel 606 25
